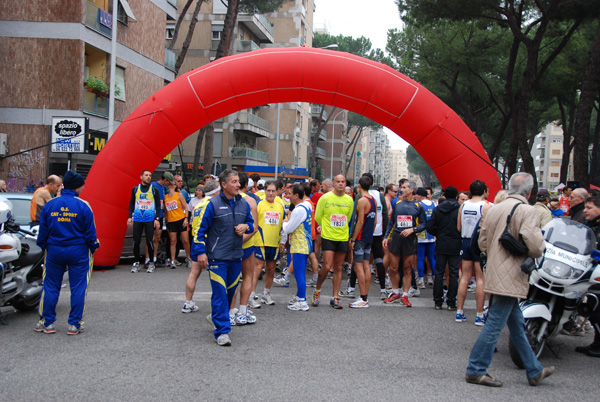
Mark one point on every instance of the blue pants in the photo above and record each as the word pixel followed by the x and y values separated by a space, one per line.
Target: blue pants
pixel 78 261
pixel 503 311
pixel 425 249
pixel 224 278
pixel 299 273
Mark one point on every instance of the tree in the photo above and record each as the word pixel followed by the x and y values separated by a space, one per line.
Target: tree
pixel 358 124
pixel 418 166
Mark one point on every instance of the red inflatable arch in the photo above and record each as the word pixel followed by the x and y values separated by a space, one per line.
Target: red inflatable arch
pixel 264 76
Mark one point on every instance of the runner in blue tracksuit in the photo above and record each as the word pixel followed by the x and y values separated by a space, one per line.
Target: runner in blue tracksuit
pixel 224 221
pixel 67 234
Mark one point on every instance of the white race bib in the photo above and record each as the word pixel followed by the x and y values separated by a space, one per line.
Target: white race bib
pixel 171 205
pixel 338 221
pixel 404 221
pixel 144 205
pixel 271 218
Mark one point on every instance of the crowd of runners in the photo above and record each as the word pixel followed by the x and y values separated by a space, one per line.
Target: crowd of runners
pixel 244 229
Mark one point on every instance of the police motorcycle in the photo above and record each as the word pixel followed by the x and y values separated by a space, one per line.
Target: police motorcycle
pixel 558 284
pixel 21 264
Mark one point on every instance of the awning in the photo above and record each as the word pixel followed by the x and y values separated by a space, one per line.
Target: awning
pixel 127 9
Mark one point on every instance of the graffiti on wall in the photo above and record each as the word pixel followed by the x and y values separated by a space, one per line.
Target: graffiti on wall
pixel 24 171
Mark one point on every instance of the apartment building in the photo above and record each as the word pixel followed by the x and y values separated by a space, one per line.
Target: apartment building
pixel 547 152
pixel 398 165
pixel 247 140
pixel 380 165
pixel 55 70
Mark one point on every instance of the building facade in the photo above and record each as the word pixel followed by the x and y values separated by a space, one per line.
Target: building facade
pixel 55 69
pixel 547 152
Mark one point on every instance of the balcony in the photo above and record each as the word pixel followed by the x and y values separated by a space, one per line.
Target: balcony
pixel 242 46
pixel 249 122
pixel 259 25
pixel 322 134
pixel 321 154
pixel 540 146
pixel 315 111
pixel 247 153
pixel 98 19
pixel 170 59
pixel 93 103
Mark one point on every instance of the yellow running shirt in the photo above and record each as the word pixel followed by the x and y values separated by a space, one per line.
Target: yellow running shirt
pixel 333 214
pixel 270 218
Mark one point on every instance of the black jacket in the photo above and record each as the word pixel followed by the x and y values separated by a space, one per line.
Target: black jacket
pixel 442 224
pixel 576 213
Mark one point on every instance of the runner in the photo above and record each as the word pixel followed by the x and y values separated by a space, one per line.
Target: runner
pixel 144 207
pixel 425 241
pixel 471 211
pixel 408 219
pixel 333 214
pixel 177 224
pixel 362 239
pixel 160 186
pixel 267 250
pixel 42 195
pixel 299 229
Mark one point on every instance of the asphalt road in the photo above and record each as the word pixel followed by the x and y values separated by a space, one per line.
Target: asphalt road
pixel 139 346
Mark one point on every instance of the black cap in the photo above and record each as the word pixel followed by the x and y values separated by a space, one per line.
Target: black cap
pixel 422 192
pixel 72 180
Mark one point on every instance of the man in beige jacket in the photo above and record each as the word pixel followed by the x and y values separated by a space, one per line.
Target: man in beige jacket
pixel 505 282
pixel 542 207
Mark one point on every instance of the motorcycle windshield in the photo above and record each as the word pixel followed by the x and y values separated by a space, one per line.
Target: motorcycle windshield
pixel 570 236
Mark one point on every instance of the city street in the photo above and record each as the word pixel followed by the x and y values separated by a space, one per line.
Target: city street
pixel 139 346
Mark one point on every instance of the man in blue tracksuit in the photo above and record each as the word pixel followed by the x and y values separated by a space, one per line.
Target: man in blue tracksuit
pixel 224 221
pixel 67 234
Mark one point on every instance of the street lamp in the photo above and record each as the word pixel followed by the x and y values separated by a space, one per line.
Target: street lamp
pixel 332 46
pixel 333 139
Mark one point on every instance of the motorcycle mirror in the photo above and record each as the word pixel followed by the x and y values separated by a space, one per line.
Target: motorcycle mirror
pixel 595 257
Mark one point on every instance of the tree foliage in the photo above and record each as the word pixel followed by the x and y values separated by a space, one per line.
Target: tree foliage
pixel 418 166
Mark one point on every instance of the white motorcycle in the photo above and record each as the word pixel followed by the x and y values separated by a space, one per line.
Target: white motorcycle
pixel 21 264
pixel 558 285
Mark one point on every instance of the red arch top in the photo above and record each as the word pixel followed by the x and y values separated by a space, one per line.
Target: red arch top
pixel 230 84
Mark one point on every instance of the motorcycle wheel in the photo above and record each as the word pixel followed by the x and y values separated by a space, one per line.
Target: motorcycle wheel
pixel 532 329
pixel 27 305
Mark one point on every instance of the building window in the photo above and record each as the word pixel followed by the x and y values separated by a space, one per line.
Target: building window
pixel 216 38
pixel 554 163
pixel 170 30
pixel 120 84
pixel 121 14
pixel 556 152
pixel 553 174
pixel 557 140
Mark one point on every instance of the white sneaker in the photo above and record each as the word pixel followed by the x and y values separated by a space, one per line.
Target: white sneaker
pixel 360 303
pixel 281 281
pixel 420 283
pixel 253 303
pixel 293 300
pixel 189 307
pixel 250 318
pixel 223 340
pixel 299 306
pixel 430 279
pixel 135 267
pixel 240 319
pixel 151 267
pixel 414 292
pixel 383 295
pixel 267 299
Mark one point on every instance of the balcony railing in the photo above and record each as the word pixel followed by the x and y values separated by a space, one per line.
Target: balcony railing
pixel 322 134
pixel 95 104
pixel 98 19
pixel 247 153
pixel 170 59
pixel 315 110
pixel 243 46
pixel 250 122
pixel 321 154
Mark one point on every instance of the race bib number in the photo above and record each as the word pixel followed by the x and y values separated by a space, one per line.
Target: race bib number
pixel 144 205
pixel 338 221
pixel 271 218
pixel 171 205
pixel 404 221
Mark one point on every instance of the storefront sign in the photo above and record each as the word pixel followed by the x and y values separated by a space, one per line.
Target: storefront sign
pixel 68 134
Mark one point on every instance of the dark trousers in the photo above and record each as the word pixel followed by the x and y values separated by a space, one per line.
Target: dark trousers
pixel 438 284
pixel 138 229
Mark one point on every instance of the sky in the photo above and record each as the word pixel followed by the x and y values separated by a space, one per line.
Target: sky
pixel 357 18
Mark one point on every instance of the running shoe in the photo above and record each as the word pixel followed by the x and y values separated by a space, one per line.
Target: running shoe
pixel 267 299
pixel 281 281
pixel 451 307
pixel 335 303
pixel 383 295
pixel 315 297
pixel 188 261
pixel 39 327
pixel 420 283
pixel 189 307
pixel 360 303
pixel 404 300
pixel 311 284
pixel 372 269
pixel 430 279
pixel 73 330
pixel 461 317
pixel 414 292
pixel 472 287
pixel 393 298
pixel 232 319
pixel 250 318
pixel 223 340
pixel 347 268
pixel 347 293
pixel 252 303
pixel 151 267
pixel 480 321
pixel 293 300
pixel 240 319
pixel 299 306
pixel 174 264
pixel 438 306
pixel 135 267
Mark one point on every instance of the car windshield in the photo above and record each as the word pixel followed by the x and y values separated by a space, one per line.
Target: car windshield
pixel 570 236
